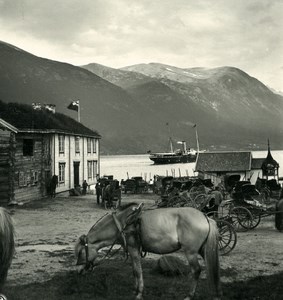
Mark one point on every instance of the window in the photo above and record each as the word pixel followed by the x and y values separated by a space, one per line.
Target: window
pixel 28 147
pixel 61 144
pixel 94 146
pixel 34 177
pixel 62 172
pixel 88 145
pixel 77 144
pixel 89 169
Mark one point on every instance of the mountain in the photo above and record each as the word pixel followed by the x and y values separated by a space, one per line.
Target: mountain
pixel 231 108
pixel 118 77
pixel 105 107
pixel 130 107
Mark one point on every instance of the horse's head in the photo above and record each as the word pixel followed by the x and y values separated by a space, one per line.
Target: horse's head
pixel 106 232
pixel 85 254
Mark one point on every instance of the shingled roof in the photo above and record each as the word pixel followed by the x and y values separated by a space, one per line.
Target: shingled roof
pixel 25 119
pixel 224 161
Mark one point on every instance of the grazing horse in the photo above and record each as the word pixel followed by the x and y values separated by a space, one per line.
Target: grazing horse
pixel 279 215
pixel 7 244
pixel 159 231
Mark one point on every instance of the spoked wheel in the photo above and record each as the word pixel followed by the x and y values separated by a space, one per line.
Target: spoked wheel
pixel 200 201
pixel 227 237
pixel 241 218
pixel 256 218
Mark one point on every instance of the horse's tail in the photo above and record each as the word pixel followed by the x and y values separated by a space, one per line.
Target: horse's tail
pixel 211 255
pixel 7 244
pixel 279 215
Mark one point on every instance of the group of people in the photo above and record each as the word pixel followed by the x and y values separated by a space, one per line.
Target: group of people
pixel 53 183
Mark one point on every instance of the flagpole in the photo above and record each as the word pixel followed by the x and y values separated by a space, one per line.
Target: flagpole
pixel 197 138
pixel 79 113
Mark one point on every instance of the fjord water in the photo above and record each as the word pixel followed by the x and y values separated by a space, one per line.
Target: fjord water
pixel 127 166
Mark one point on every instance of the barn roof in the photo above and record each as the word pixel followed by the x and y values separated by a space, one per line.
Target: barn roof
pixel 24 118
pixel 224 161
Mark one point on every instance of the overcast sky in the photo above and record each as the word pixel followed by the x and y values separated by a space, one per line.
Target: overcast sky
pixel 247 34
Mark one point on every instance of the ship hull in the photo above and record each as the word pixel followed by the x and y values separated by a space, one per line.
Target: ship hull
pixel 174 159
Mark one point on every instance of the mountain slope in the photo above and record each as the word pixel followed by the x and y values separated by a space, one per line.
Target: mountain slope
pixel 228 95
pixel 122 78
pixel 130 107
pixel 105 107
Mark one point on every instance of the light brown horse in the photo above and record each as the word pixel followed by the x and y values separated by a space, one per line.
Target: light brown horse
pixel 7 244
pixel 161 231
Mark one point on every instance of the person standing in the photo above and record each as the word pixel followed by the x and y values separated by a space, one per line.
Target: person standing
pixel 85 185
pixel 98 190
pixel 53 185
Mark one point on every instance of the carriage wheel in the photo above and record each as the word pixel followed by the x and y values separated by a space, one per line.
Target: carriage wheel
pixel 200 201
pixel 241 218
pixel 256 218
pixel 227 237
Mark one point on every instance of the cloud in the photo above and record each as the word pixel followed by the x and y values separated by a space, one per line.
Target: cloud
pixel 185 33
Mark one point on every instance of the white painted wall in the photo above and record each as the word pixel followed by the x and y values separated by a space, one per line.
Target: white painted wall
pixel 70 156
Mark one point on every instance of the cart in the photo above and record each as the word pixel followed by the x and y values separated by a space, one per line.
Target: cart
pixel 193 193
pixel 111 193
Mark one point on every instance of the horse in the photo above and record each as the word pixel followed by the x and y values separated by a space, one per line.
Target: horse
pixel 279 215
pixel 160 231
pixel 7 244
pixel 111 193
pixel 108 195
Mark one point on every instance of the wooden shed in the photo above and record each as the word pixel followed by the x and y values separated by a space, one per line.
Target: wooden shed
pixel 34 145
pixel 215 165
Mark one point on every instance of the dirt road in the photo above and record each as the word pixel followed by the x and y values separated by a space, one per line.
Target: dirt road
pixel 47 230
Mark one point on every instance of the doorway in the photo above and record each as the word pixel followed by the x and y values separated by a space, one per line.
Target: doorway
pixel 76 174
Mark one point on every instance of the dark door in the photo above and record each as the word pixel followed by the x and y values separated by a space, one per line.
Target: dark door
pixel 76 173
pixel 47 182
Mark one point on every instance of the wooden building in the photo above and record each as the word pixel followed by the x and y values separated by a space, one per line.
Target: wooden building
pixel 34 145
pixel 215 165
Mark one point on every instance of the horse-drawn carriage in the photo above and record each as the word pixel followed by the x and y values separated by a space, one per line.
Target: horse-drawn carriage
pixel 252 202
pixel 195 192
pixel 111 192
pixel 135 185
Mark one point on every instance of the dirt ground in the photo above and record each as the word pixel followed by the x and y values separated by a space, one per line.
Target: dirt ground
pixel 44 263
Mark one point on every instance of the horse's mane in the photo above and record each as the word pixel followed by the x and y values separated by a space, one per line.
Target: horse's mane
pixel 125 206
pixel 7 244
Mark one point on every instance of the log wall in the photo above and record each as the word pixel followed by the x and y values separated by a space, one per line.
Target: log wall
pixel 29 171
pixel 5 193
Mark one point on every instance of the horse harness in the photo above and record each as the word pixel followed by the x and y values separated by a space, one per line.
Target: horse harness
pixel 84 241
pixel 133 219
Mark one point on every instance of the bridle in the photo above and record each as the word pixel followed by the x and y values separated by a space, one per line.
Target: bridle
pixel 89 265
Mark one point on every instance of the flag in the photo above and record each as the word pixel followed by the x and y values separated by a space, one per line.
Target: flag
pixel 74 105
